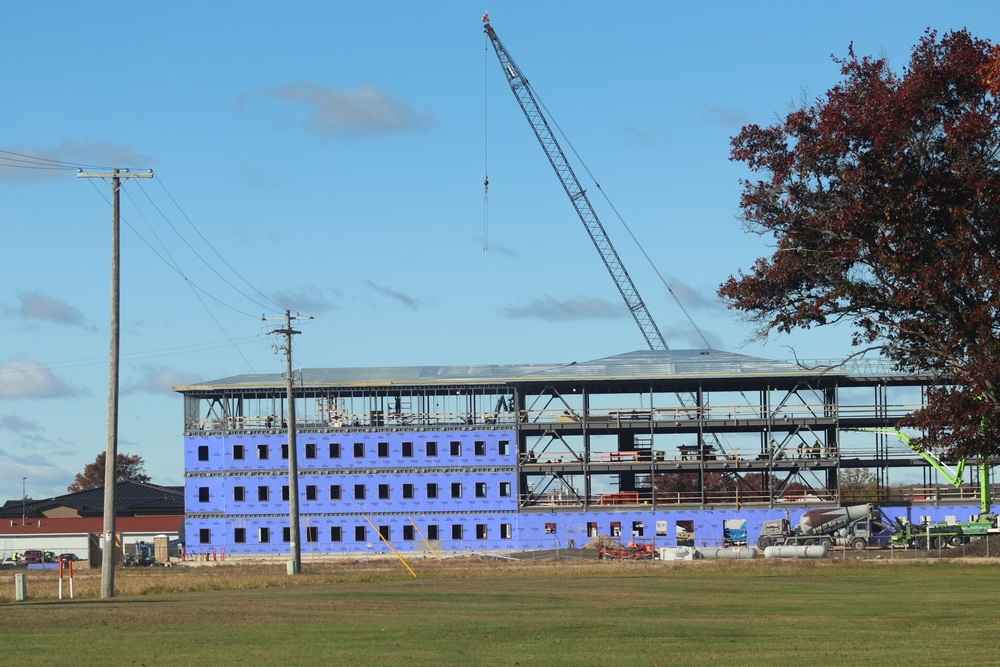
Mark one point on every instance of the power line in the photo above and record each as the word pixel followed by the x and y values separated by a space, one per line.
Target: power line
pixel 140 355
pixel 39 162
pixel 217 254
pixel 178 271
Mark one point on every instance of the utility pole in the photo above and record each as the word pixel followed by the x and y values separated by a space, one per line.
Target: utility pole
pixel 24 498
pixel 293 458
pixel 111 454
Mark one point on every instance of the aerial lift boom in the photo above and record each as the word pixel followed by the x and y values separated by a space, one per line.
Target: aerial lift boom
pixel 577 195
pixel 954 477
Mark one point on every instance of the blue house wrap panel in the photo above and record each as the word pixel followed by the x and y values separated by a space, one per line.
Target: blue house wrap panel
pixel 234 498
pixel 527 531
pixel 264 451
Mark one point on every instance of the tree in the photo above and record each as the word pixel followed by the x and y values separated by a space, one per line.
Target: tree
pixel 858 485
pixel 883 200
pixel 128 468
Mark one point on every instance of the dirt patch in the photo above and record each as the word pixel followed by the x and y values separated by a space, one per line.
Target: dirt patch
pixel 988 548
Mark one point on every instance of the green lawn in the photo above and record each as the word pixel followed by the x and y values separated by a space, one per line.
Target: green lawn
pixel 749 613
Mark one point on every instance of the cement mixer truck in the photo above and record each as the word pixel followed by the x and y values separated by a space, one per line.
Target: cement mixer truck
pixel 856 526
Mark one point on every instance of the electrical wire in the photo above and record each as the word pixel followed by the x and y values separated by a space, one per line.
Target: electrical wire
pixel 194 288
pixel 203 260
pixel 139 355
pixel 24 161
pixel 229 266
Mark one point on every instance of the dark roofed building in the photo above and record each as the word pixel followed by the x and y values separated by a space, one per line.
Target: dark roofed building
pixel 67 523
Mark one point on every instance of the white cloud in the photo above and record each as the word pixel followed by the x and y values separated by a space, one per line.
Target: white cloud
pixel 395 295
pixel 17 424
pixel 365 110
pixel 20 378
pixel 38 306
pixel 159 380
pixel 308 300
pixel 578 308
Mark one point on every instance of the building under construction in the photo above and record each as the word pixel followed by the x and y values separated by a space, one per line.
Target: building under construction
pixel 668 446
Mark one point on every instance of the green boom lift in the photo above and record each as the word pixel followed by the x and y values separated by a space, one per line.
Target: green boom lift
pixel 937 535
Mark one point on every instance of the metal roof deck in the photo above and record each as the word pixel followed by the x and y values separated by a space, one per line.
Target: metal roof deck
pixel 631 366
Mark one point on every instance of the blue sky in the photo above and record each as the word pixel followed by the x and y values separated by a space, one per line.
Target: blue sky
pixel 328 157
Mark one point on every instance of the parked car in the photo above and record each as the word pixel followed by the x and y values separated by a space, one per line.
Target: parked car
pixel 66 558
pixel 32 556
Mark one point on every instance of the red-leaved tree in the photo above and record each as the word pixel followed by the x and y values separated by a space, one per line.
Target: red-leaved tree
pixel 883 200
pixel 128 468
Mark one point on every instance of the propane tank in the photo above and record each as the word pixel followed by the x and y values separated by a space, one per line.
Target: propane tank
pixel 738 553
pixel 795 552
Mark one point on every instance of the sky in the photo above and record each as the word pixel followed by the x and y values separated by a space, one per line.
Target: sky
pixel 328 157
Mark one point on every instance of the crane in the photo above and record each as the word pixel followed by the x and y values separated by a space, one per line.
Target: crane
pixel 577 195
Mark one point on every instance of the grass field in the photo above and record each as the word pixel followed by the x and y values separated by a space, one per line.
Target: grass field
pixel 551 612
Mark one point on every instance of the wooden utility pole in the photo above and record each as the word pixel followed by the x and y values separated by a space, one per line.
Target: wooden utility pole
pixel 110 554
pixel 293 465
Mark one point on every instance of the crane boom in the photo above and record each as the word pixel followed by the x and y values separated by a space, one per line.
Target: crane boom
pixel 577 195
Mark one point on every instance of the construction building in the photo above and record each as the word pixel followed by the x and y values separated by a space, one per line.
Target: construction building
pixel 668 446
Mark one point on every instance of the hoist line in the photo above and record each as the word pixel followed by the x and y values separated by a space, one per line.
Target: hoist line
pixel 621 219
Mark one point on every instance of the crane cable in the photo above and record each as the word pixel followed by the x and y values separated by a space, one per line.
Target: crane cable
pixel 486 146
pixel 621 220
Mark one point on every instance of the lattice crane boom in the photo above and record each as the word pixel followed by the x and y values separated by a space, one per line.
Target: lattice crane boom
pixel 577 195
